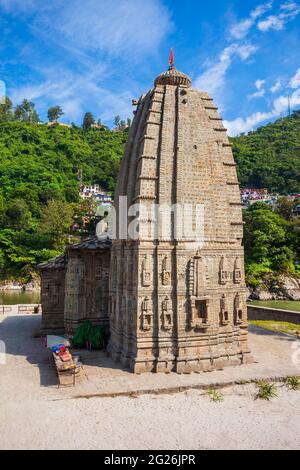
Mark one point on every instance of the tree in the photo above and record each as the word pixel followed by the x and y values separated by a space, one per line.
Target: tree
pixel 54 113
pixel 285 208
pixel 269 156
pixel 26 112
pixel 117 121
pixel 6 112
pixel 17 215
pixel 268 238
pixel 88 121
pixel 56 221
pixel 38 165
pixel 128 122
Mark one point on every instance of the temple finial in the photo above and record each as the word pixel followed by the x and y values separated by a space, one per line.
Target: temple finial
pixel 171 59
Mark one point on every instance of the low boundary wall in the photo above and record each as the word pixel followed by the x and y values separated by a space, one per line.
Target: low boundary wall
pixel 20 308
pixel 256 312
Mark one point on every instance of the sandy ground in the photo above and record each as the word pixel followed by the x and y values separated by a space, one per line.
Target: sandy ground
pixel 34 414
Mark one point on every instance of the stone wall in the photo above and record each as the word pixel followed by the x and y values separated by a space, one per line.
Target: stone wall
pixel 86 284
pixel 256 312
pixel 53 295
pixel 20 309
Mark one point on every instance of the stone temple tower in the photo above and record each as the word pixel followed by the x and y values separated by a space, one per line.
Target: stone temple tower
pixel 178 303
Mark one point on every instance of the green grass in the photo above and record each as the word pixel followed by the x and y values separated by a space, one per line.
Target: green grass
pixel 266 390
pixel 279 326
pixel 214 395
pixel 280 304
pixel 293 382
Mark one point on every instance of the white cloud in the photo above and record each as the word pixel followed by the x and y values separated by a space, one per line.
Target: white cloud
pixel 295 80
pixel 94 40
pixel 259 84
pixel 289 6
pixel 114 26
pixel 276 87
pixel 241 28
pixel 287 12
pixel 73 91
pixel 280 106
pixel 257 94
pixel 272 22
pixel 213 78
pixel 260 90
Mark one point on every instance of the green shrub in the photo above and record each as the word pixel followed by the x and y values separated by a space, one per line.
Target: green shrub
pixel 88 335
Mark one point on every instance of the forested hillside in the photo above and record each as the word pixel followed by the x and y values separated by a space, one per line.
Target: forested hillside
pixel 270 156
pixel 39 185
pixel 40 166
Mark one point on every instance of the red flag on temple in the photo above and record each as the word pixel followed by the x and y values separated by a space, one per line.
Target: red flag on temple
pixel 171 60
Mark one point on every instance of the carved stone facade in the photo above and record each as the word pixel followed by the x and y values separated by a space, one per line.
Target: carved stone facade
pixel 176 304
pixel 75 287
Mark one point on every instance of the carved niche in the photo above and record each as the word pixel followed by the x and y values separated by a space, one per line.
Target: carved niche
pixel 146 316
pixel 199 313
pixel 166 271
pixel 238 310
pixel 224 317
pixel 167 320
pixel 196 276
pixel 146 273
pixel 223 272
pixel 199 302
pixel 237 272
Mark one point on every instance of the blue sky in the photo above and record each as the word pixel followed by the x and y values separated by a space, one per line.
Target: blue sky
pixel 96 55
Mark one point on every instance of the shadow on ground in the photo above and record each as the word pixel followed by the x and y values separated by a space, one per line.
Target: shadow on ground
pixel 20 341
pixel 258 330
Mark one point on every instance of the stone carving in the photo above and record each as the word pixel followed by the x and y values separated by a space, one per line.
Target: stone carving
pixel 146 274
pixel 237 273
pixel 167 320
pixel 238 311
pixel 224 317
pixel 196 276
pixel 166 271
pixel 146 317
pixel 223 272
